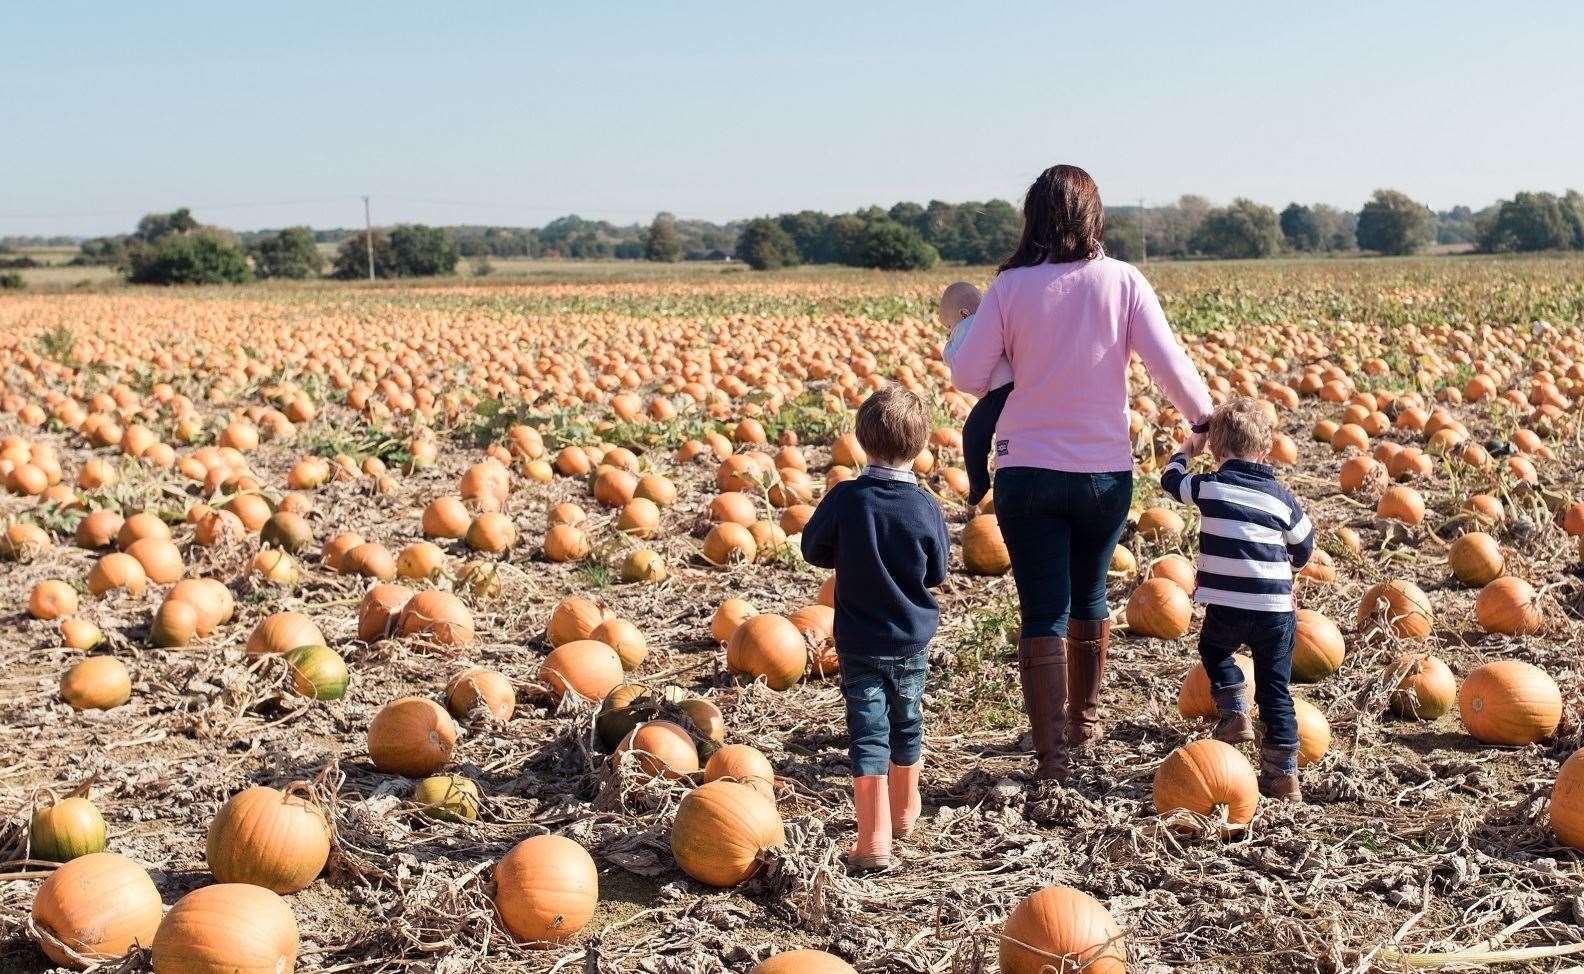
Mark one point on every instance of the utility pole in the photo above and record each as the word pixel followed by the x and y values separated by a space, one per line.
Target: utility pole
pixel 1143 240
pixel 368 236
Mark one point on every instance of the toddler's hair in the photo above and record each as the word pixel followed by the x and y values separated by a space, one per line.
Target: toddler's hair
pixel 1241 428
pixel 893 425
pixel 956 299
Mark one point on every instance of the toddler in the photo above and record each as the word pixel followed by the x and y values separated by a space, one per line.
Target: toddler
pixel 957 306
pixel 886 538
pixel 1252 536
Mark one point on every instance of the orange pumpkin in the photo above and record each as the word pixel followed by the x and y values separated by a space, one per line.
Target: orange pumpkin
pixel 1421 686
pixel 984 550
pixel 768 646
pixel 1062 929
pixel 1160 608
pixel 412 737
pixel 662 749
pixel 1510 702
pixel 96 683
pixel 1318 648
pixel 1406 609
pixel 728 616
pixel 624 637
pixel 379 611
pixel 438 616
pixel 225 929
pixel 279 840
pixel 1194 700
pixel 283 632
pixel 1508 606
pixel 575 618
pixel 52 599
pixel 1207 776
pixel 478 685
pixel 98 906
pixel 745 764
pixel 729 543
pixel 1567 802
pixel 1174 568
pixel 587 667
pixel 546 889
pixel 721 830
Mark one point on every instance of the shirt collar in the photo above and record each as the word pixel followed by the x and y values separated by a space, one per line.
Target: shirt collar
pixel 880 471
pixel 1248 466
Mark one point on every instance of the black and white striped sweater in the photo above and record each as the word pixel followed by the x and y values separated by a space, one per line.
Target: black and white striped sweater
pixel 1252 533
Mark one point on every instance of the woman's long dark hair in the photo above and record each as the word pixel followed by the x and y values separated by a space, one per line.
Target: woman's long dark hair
pixel 1063 219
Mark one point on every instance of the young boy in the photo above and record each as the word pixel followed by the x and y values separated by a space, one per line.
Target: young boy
pixel 886 539
pixel 1252 536
pixel 957 306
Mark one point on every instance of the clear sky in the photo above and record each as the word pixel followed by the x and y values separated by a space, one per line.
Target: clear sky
pixel 267 114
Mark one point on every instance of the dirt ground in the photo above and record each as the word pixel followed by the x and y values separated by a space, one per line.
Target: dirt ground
pixel 1413 834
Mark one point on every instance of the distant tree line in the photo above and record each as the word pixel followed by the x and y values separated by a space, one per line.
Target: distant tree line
pixel 173 248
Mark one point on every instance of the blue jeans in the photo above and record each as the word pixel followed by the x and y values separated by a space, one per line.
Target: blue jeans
pixel 885 713
pixel 1270 637
pixel 1060 530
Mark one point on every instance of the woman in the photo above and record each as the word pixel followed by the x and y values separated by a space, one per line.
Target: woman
pixel 1068 317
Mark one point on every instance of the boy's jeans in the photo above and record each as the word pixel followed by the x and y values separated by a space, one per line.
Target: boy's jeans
pixel 885 716
pixel 1270 637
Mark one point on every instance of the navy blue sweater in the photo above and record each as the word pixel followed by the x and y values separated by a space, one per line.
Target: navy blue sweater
pixel 887 541
pixel 1252 533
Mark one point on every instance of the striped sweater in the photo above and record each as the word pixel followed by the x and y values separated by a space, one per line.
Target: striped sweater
pixel 1252 534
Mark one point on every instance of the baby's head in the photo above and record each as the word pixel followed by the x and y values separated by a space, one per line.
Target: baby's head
pixel 893 425
pixel 957 302
pixel 1241 429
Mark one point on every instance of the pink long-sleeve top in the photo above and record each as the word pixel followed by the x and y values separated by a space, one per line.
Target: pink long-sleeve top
pixel 1069 330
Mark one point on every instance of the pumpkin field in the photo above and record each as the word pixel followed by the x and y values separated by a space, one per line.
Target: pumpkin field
pixel 462 627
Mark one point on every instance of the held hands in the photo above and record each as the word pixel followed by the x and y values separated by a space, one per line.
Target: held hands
pixel 1194 445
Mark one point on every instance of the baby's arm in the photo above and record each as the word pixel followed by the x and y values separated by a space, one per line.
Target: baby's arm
pixel 959 334
pixel 1177 481
pixel 1299 536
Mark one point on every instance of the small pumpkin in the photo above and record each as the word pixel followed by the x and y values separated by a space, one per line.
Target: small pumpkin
pixel 728 616
pixel 587 667
pixel 1194 700
pixel 412 737
pixel 575 618
pixel 380 611
pixel 99 906
pixel 1406 608
pixel 1175 568
pixel 720 831
pixel 1314 732
pixel 1420 686
pixel 318 672
pixel 1318 648
pixel 226 929
pixel 662 750
pixel 1476 559
pixel 448 797
pixel 1204 777
pixel 624 637
pixel 803 962
pixel 1061 929
pixel 745 764
pixel 1508 606
pixel 546 889
pixel 437 616
pixel 1567 802
pixel 283 632
pixel 984 550
pixel 768 646
pixel 279 840
pixel 481 685
pixel 1159 608
pixel 64 830
pixel 96 683
pixel 624 708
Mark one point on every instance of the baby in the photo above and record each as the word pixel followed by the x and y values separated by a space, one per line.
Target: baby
pixel 957 306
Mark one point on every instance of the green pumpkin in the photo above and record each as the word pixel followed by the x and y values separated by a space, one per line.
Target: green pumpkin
pixel 318 672
pixel 67 829
pixel 448 797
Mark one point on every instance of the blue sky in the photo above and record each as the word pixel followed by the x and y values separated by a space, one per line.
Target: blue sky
pixel 278 113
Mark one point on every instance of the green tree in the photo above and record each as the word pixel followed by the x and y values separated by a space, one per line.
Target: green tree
pixel 1392 222
pixel 999 225
pixel 890 246
pixel 1573 216
pixel 764 246
pixel 1122 236
pixel 289 253
pixel 1527 222
pixel 1335 227
pixel 1169 229
pixel 845 239
pixel 810 233
pixel 662 242
pixel 201 256
pixel 907 214
pixel 351 259
pixel 423 251
pixel 156 226
pixel 1299 227
pixel 1244 229
pixel 11 281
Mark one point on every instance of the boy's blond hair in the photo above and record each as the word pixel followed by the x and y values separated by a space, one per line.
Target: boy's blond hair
pixel 1242 429
pixel 893 425
pixel 957 302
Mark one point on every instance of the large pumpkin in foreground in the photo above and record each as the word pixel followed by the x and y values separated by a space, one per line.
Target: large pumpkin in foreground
pixel 803 962
pixel 1567 802
pixel 1510 702
pixel 279 840
pixel 98 905
pixel 720 831
pixel 1061 930
pixel 546 889
pixel 412 737
pixel 232 928
pixel 1204 775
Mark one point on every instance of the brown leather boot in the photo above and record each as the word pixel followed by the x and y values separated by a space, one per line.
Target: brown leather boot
pixel 1042 670
pixel 1278 774
pixel 1234 726
pixel 1088 644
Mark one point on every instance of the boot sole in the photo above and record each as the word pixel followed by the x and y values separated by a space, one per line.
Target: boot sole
pixel 868 864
